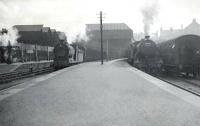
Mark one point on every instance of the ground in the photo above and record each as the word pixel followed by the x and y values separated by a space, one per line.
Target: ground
pixel 90 94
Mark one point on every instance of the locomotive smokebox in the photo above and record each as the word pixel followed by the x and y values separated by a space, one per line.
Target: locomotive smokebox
pixel 147 37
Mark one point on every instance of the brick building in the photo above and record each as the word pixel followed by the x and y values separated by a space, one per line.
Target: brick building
pixel 192 28
pixel 36 42
pixel 116 38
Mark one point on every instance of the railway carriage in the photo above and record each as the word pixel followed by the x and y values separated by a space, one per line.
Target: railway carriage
pixel 181 55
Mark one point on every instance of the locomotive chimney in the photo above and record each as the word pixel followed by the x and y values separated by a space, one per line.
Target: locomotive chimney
pixel 147 37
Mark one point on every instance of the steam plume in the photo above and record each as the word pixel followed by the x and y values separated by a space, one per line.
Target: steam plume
pixel 149 13
pixel 11 36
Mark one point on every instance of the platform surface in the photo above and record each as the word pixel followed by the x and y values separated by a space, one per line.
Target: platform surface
pixel 90 94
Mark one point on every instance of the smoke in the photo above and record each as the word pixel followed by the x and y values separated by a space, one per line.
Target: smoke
pixel 149 13
pixel 77 32
pixel 61 15
pixel 10 35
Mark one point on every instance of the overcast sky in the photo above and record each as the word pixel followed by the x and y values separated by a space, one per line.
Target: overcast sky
pixel 72 15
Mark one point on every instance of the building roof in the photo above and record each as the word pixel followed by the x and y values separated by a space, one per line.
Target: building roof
pixel 108 26
pixel 193 28
pixel 28 27
pixel 171 33
pixel 45 29
pixel 193 25
pixel 53 30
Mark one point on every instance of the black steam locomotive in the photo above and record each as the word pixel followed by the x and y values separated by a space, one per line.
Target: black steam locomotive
pixel 66 55
pixel 181 55
pixel 144 56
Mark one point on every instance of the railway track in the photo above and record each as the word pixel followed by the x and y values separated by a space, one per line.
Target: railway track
pixel 11 76
pixel 184 84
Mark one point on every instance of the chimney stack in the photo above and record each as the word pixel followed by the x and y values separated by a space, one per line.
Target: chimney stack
pixel 147 37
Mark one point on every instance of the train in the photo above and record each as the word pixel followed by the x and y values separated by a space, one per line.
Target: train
pixel 181 55
pixel 66 55
pixel 144 55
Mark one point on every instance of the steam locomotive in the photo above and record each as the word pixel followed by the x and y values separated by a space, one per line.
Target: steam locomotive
pixel 144 55
pixel 181 55
pixel 65 54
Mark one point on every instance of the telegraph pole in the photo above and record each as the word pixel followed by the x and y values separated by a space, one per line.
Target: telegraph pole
pixel 101 31
pixel 107 50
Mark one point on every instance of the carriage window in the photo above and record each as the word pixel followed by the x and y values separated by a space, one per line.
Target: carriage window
pixel 173 46
pixel 147 44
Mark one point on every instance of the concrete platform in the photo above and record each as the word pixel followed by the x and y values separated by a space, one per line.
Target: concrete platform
pixel 90 94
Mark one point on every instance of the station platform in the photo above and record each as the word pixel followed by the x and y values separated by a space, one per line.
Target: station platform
pixel 5 68
pixel 90 94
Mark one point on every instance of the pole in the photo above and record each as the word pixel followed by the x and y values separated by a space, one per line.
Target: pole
pixel 77 52
pixel 85 55
pixel 36 55
pixel 107 51
pixel 22 49
pixel 48 53
pixel 101 31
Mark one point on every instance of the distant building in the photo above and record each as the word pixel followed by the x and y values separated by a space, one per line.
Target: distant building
pixel 116 38
pixel 169 34
pixel 35 34
pixel 141 35
pixel 36 42
pixel 192 28
pixel 138 36
pixel 54 36
pixel 29 34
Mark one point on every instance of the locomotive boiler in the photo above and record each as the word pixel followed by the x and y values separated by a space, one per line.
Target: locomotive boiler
pixel 61 54
pixel 144 55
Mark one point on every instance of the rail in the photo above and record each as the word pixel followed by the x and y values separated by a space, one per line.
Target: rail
pixel 181 86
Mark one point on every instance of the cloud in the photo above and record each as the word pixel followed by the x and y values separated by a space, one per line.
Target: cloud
pixel 71 16
pixel 11 36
